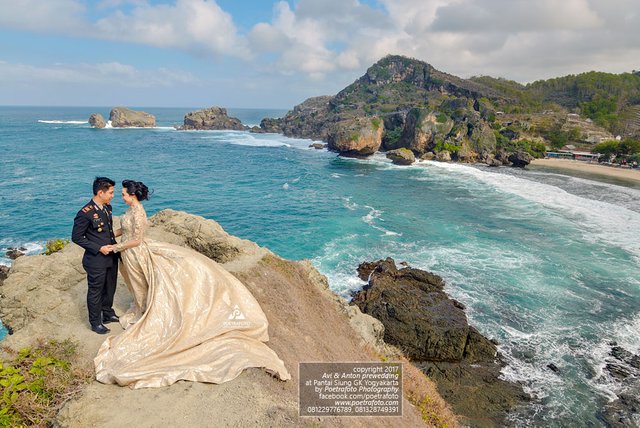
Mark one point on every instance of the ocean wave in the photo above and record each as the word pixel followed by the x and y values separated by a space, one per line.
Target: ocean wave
pixel 598 220
pixel 376 215
pixel 32 248
pixel 64 122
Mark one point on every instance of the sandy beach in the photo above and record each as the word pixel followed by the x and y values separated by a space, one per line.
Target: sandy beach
pixel 590 168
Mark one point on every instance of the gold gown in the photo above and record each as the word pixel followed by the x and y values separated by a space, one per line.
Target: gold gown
pixel 190 319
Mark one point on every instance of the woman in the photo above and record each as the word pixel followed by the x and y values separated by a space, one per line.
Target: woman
pixel 190 319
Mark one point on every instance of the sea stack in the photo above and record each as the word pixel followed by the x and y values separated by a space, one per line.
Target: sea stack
pixel 212 118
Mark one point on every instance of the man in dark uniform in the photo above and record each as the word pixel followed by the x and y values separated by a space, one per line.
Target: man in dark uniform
pixel 93 231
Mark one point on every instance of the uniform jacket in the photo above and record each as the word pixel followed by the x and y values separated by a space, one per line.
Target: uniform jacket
pixel 93 228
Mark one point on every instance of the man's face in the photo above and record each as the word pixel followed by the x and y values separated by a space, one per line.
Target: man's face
pixel 105 197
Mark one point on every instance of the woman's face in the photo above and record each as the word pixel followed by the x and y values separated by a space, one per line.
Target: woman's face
pixel 127 198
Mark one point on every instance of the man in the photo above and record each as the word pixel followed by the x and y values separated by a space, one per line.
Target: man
pixel 93 231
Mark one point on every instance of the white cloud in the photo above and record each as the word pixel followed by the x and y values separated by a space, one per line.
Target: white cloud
pixel 101 75
pixel 64 16
pixel 197 26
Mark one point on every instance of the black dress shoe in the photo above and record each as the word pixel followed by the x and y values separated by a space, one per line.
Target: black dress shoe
pixel 100 329
pixel 110 318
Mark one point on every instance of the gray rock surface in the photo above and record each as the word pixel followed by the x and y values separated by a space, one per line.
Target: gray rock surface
pixel 212 118
pixel 97 121
pixel 122 117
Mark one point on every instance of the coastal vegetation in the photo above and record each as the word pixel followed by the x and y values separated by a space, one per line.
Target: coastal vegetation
pixel 628 150
pixel 54 245
pixel 36 381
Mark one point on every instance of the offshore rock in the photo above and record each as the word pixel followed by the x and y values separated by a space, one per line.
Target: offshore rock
pixel 122 117
pixel 213 118
pixel 401 156
pixel 97 121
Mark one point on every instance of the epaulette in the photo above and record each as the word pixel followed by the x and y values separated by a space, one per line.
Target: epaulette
pixel 87 209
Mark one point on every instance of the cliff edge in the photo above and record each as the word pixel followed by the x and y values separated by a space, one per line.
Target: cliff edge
pixel 44 296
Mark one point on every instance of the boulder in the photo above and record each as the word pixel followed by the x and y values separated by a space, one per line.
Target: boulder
pixel 317 146
pixel 213 118
pixel 431 328
pixel 122 117
pixel 97 121
pixel 428 156
pixel 443 156
pixel 4 271
pixel 623 367
pixel 360 136
pixel 13 253
pixel 520 159
pixel 401 156
pixel 418 315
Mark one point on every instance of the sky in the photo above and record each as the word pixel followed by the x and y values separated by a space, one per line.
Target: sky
pixel 266 54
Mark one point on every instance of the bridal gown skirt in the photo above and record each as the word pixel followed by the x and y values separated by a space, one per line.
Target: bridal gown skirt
pixel 190 320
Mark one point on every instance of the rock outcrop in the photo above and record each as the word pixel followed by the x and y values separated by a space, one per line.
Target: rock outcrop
pixel 13 252
pixel 45 296
pixel 401 156
pixel 520 159
pixel 426 110
pixel 97 121
pixel 432 330
pixel 624 367
pixel 122 117
pixel 356 137
pixel 212 118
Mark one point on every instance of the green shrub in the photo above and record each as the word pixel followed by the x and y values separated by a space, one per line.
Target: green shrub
pixel 54 245
pixel 442 118
pixel 37 382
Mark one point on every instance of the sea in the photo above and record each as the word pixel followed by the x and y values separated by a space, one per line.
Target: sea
pixel 547 264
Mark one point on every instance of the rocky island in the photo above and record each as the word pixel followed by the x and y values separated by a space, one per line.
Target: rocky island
pixel 122 117
pixel 212 118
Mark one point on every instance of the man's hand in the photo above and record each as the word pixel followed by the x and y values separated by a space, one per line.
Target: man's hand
pixel 106 249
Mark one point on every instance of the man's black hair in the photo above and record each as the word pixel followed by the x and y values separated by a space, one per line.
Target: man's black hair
pixel 102 183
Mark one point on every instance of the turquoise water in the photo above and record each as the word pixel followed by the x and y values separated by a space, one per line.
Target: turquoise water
pixel 547 264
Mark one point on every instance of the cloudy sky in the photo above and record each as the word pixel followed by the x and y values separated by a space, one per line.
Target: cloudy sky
pixel 259 53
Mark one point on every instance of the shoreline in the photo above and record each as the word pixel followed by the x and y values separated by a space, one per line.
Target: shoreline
pixel 590 168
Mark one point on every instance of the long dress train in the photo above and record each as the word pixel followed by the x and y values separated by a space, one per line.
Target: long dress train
pixel 190 319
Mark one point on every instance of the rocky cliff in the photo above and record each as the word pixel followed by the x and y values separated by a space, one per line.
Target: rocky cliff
pixel 434 114
pixel 44 296
pixel 432 330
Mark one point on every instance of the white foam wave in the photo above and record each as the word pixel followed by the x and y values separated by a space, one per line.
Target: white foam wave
pixel 31 248
pixel 374 215
pixel 60 122
pixel 598 220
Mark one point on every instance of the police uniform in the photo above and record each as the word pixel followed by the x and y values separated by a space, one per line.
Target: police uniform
pixel 92 229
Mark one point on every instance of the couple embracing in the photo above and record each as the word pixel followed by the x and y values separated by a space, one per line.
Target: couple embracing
pixel 177 325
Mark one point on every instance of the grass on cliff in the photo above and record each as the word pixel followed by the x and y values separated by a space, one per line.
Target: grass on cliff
pixel 37 381
pixel 54 245
pixel 422 393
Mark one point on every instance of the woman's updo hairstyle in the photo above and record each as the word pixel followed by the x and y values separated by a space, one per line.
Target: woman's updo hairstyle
pixel 136 188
